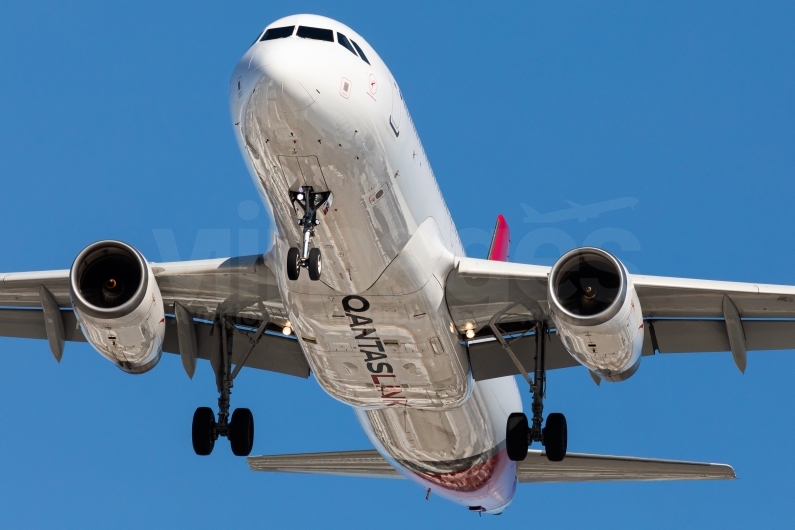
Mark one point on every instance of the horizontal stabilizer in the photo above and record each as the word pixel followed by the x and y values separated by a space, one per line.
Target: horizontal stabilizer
pixel 345 463
pixel 576 467
pixel 579 467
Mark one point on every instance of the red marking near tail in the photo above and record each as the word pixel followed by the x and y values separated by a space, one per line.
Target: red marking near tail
pixel 500 241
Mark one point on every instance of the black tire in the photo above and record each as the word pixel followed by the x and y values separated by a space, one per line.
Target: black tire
pixel 241 432
pixel 314 264
pixel 516 437
pixel 556 437
pixel 203 431
pixel 293 263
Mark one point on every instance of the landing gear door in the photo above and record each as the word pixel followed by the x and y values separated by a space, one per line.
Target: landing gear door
pixel 303 171
pixel 397 109
pixel 292 172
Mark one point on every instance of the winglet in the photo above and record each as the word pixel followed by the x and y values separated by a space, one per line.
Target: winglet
pixel 500 241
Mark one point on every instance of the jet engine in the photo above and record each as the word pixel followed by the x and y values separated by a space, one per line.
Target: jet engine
pixel 597 312
pixel 118 305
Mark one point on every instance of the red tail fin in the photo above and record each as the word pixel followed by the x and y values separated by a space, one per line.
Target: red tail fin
pixel 500 241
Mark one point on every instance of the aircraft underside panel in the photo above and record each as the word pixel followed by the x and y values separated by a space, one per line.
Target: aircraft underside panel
pixel 382 350
pixel 365 226
pixel 401 349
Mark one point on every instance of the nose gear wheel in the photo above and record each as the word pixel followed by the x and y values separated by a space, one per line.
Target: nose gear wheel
pixel 293 263
pixel 314 264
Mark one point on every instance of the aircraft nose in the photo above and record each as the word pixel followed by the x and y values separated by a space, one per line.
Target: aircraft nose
pixel 284 75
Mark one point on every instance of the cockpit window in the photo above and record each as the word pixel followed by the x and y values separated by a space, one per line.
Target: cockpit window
pixel 307 32
pixel 342 39
pixel 278 33
pixel 361 53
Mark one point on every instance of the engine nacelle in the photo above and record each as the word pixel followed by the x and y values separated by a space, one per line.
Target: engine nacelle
pixel 597 312
pixel 118 305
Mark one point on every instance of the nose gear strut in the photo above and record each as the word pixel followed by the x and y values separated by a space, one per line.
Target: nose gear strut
pixel 310 202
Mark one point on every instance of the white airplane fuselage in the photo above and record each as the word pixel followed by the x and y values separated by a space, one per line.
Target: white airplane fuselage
pixel 375 328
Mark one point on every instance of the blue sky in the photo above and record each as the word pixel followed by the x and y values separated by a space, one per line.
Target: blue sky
pixel 114 124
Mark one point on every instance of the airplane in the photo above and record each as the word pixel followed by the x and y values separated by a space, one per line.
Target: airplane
pixel 578 211
pixel 367 286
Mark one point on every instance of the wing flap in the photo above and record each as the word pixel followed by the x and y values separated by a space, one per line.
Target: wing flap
pixel 488 360
pixel 578 467
pixel 683 336
pixel 29 324
pixel 272 352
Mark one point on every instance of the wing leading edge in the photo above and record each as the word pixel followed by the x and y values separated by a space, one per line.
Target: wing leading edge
pixel 577 467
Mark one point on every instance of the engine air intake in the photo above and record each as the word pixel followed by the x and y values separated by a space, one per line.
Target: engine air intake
pixel 587 283
pixel 597 312
pixel 118 304
pixel 109 275
pixel 587 286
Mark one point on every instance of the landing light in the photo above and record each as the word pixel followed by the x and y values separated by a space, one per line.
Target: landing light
pixel 470 333
pixel 287 329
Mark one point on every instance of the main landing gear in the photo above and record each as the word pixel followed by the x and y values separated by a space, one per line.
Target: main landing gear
pixel 519 432
pixel 310 201
pixel 240 429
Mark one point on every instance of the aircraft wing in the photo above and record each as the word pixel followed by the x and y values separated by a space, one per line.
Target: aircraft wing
pixel 242 289
pixel 682 315
pixel 577 467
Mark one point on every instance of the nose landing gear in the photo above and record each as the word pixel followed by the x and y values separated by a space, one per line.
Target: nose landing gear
pixel 310 202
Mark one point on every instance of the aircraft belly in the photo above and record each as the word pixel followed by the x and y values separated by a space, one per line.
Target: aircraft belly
pixel 459 453
pixel 293 136
pixel 382 351
pixel 438 441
